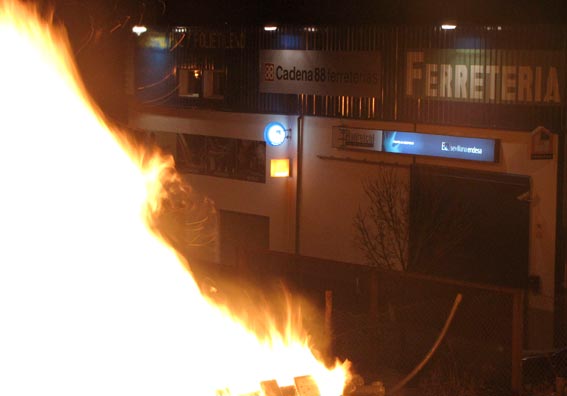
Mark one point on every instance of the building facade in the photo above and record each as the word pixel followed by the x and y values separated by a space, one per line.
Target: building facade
pixel 476 114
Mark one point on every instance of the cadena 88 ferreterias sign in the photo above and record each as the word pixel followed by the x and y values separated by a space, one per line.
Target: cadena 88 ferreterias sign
pixel 320 72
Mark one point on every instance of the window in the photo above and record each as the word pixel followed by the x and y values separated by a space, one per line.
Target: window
pixel 213 84
pixel 196 83
pixel 190 83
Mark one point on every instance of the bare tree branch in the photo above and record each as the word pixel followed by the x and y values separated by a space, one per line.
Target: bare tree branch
pixel 437 220
pixel 382 228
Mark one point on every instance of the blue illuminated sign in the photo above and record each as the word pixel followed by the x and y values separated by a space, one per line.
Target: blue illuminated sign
pixel 274 134
pixel 474 149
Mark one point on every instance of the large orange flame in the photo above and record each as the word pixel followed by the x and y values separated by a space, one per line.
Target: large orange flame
pixel 92 301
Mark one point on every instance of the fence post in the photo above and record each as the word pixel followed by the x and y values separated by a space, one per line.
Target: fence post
pixel 517 340
pixel 329 314
pixel 373 308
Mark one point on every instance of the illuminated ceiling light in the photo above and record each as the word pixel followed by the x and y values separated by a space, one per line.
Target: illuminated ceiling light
pixel 275 134
pixel 279 167
pixel 271 27
pixel 449 25
pixel 139 29
pixel 310 29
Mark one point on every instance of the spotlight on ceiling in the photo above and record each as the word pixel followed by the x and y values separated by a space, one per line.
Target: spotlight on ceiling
pixel 449 25
pixel 139 29
pixel 270 27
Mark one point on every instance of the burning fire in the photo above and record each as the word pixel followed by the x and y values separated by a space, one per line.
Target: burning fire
pixel 92 300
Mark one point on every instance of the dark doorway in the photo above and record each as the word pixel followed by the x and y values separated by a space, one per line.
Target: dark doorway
pixel 470 225
pixel 242 231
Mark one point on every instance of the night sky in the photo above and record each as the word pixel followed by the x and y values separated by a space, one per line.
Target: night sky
pixel 366 11
pixel 185 12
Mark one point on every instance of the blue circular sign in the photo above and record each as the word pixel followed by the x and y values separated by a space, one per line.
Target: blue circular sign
pixel 274 134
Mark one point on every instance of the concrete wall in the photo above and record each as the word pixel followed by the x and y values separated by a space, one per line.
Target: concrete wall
pixel 274 199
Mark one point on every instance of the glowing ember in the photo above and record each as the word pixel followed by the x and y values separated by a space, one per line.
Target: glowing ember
pixel 92 302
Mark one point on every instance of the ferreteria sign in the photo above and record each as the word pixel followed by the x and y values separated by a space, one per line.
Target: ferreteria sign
pixel 486 76
pixel 320 72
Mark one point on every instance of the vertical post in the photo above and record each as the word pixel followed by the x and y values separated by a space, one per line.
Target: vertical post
pixel 373 308
pixel 517 340
pixel 329 322
pixel 560 301
pixel 299 185
pixel 329 313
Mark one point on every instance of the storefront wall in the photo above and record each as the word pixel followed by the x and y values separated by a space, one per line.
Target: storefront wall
pixel 332 194
pixel 332 186
pixel 475 81
pixel 274 198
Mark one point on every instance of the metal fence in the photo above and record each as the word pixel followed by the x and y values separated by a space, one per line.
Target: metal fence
pixel 390 325
pixel 545 371
pixel 479 353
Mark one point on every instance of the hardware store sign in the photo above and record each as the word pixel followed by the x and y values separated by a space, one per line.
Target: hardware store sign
pixel 333 73
pixel 486 76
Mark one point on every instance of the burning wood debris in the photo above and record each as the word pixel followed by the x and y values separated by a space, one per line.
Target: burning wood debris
pixel 307 386
pixel 303 386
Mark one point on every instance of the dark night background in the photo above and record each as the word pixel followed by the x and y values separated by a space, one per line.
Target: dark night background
pixel 368 11
pixel 321 11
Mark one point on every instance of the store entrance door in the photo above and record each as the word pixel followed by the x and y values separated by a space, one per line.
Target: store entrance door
pixel 470 225
pixel 240 232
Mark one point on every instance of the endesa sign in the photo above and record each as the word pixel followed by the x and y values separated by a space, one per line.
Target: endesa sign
pixel 333 73
pixel 457 147
pixel 413 143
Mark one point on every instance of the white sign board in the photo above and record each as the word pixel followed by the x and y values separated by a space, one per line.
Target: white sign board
pixel 332 73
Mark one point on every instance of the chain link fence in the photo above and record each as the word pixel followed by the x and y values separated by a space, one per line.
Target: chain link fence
pixel 545 371
pixel 390 325
pixel 474 356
